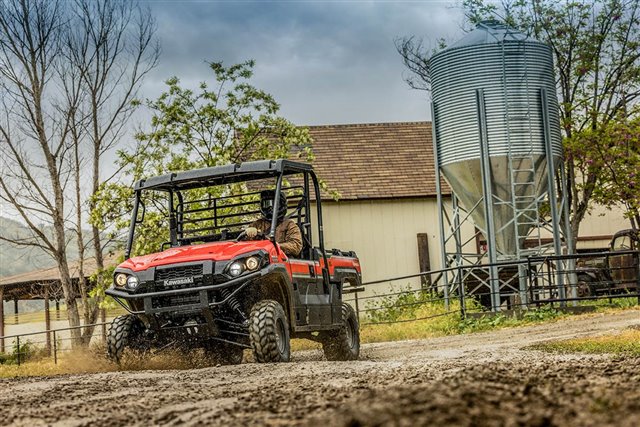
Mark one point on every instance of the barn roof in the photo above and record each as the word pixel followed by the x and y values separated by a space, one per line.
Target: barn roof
pixel 376 161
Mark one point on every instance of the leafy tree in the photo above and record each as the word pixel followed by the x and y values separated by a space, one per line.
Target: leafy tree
pixel 596 48
pixel 229 121
pixel 613 153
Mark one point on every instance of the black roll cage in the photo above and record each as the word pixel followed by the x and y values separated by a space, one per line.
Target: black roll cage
pixel 176 182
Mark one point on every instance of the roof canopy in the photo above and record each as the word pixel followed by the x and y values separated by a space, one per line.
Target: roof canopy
pixel 205 177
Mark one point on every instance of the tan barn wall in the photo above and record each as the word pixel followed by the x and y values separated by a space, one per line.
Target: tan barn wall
pixel 384 235
pixel 599 226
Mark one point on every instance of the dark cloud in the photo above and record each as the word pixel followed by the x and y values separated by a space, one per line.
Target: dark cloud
pixel 325 62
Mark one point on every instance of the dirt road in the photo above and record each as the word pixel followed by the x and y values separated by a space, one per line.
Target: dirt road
pixel 485 379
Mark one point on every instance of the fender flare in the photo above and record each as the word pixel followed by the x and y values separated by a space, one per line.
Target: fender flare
pixel 347 274
pixel 275 284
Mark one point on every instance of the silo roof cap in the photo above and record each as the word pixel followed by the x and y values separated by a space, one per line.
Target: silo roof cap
pixel 488 32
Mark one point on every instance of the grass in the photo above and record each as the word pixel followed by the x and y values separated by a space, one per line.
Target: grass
pixel 625 343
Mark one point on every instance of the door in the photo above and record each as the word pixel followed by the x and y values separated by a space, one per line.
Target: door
pixel 312 295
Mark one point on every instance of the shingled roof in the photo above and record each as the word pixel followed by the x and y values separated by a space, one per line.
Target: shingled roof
pixel 376 161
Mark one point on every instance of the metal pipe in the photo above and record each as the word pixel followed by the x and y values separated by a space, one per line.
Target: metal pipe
pixel 485 166
pixel 180 215
pixel 463 314
pixel 47 319
pixel 274 214
pixel 132 227
pixel 436 163
pixel 173 233
pixel 568 234
pixel 553 200
pixel 307 209
pixel 55 348
pixel 316 189
pixel 1 320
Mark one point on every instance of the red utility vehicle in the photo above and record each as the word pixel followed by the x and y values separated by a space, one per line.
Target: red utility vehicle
pixel 214 289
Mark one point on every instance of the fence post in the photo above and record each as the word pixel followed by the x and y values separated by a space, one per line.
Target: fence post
pixel 463 313
pixel 55 348
pixel 18 352
pixel 1 320
pixel 47 319
pixel 355 294
pixel 636 257
pixel 103 319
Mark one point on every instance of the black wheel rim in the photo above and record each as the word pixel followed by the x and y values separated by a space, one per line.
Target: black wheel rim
pixel 351 335
pixel 280 337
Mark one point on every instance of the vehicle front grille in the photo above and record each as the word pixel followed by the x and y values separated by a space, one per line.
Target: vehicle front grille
pixel 178 272
pixel 179 277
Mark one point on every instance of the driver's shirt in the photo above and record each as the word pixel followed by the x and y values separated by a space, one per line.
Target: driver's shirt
pixel 288 235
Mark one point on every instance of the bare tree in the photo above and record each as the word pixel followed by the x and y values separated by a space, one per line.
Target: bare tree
pixel 112 48
pixel 69 76
pixel 35 130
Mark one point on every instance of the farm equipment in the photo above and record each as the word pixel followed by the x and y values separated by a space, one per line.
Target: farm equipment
pixel 214 288
pixel 615 272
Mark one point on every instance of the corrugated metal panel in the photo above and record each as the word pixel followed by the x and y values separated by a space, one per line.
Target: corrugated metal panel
pixel 511 73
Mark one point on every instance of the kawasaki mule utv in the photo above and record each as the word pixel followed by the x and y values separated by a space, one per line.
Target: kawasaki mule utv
pixel 211 287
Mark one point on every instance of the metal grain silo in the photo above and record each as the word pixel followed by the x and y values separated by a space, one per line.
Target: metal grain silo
pixel 497 130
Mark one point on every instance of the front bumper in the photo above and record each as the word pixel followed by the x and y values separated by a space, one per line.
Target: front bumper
pixel 202 291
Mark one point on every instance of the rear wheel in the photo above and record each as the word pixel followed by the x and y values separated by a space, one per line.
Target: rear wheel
pixel 585 286
pixel 344 343
pixel 125 332
pixel 269 332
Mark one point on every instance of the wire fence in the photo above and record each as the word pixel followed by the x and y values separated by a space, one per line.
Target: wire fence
pixel 48 343
pixel 557 282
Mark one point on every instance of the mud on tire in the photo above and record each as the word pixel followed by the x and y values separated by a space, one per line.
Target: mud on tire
pixel 344 343
pixel 269 332
pixel 125 332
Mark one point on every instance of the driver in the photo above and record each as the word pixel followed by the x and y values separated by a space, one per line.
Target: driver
pixel 288 234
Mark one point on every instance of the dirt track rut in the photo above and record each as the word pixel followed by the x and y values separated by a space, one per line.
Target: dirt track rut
pixel 486 379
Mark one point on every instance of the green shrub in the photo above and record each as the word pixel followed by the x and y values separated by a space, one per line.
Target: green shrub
pixel 404 304
pixel 26 351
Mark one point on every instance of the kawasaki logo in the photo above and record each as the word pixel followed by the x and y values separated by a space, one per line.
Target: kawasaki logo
pixel 180 281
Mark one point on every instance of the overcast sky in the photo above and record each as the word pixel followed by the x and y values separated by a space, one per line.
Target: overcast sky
pixel 325 62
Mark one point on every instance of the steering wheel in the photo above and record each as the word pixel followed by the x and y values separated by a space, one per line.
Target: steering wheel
pixel 243 236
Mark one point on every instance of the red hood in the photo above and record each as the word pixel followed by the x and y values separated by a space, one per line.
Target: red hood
pixel 218 251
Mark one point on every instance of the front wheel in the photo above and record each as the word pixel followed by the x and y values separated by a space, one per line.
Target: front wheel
pixel 269 332
pixel 125 332
pixel 344 343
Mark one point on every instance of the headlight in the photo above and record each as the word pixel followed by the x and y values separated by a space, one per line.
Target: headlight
pixel 132 282
pixel 235 269
pixel 120 279
pixel 252 263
